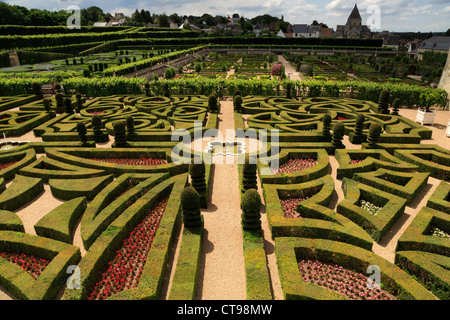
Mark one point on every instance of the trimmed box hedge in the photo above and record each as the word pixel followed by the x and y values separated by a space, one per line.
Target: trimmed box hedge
pixel 59 223
pixel 317 221
pixel 319 170
pixel 18 282
pixel 372 159
pixel 106 244
pixel 403 184
pixel 290 250
pixel 377 225
pixel 67 189
pixel 20 192
pixel 418 236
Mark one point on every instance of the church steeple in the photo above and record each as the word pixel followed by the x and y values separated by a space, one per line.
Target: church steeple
pixel 355 13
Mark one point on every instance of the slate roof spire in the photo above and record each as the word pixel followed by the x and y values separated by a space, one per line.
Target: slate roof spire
pixel 355 13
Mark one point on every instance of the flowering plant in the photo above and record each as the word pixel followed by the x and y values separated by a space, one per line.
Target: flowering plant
pixel 293 165
pixel 30 263
pixel 346 282
pixel 125 269
pixel 134 161
pixel 369 207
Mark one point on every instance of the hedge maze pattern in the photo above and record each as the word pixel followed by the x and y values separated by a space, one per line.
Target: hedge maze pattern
pixel 125 200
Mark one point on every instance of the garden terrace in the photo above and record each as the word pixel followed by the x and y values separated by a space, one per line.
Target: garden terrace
pixel 91 204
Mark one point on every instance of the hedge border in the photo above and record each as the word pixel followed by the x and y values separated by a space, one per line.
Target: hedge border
pixel 20 284
pixel 377 226
pixel 288 250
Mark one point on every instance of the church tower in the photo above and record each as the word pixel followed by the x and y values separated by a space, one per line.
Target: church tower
pixel 354 24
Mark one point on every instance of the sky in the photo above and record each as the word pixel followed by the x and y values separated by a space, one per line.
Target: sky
pixel 391 15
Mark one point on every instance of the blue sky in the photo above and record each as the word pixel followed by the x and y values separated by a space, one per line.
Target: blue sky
pixel 394 15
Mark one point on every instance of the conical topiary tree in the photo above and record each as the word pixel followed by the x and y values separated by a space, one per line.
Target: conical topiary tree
pixel 374 134
pixel 198 179
pixel 212 103
pixel 288 90
pixel 251 210
pixel 358 136
pixel 237 103
pixel 326 120
pixel 338 135
pixel 130 125
pixel 190 206
pixel 96 123
pixel 79 102
pixel 68 106
pixel 249 175
pixel 120 137
pixel 383 101
pixel 395 106
pixel 47 104
pixel 37 90
pixel 82 131
pixel 59 102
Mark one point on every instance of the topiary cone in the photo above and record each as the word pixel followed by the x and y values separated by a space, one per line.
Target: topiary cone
pixel 190 206
pixel 383 101
pixel 120 138
pixel 374 134
pixel 395 106
pixel 249 174
pixel 251 210
pixel 326 121
pixel 198 179
pixel 338 135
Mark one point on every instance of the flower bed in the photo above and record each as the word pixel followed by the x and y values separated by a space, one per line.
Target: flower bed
pixel 28 262
pixel 294 165
pixel 351 284
pixel 440 233
pixel 134 161
pixel 289 206
pixel 125 269
pixel 6 164
pixel 369 207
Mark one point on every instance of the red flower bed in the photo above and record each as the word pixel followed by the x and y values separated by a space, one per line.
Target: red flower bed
pixel 355 161
pixel 289 204
pixel 293 165
pixel 346 282
pixel 341 118
pixel 125 268
pixel 134 161
pixel 6 164
pixel 31 264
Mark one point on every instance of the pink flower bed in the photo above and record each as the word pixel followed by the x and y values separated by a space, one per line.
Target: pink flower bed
pixel 6 164
pixel 31 264
pixel 289 204
pixel 125 268
pixel 134 161
pixel 293 165
pixel 355 161
pixel 346 282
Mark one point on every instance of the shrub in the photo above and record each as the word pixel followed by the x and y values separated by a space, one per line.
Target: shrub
pixel 198 180
pixel 68 105
pixel 395 106
pixel 59 102
pixel 251 210
pixel 306 69
pixel 81 129
pixel 47 104
pixel 237 103
pixel 249 177
pixel 96 122
pixel 374 134
pixel 383 101
pixel 130 125
pixel 190 205
pixel 120 138
pixel 37 89
pixel 359 124
pixel 326 120
pixel 338 135
pixel 212 102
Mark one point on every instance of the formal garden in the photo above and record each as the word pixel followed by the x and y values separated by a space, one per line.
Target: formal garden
pixel 109 190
